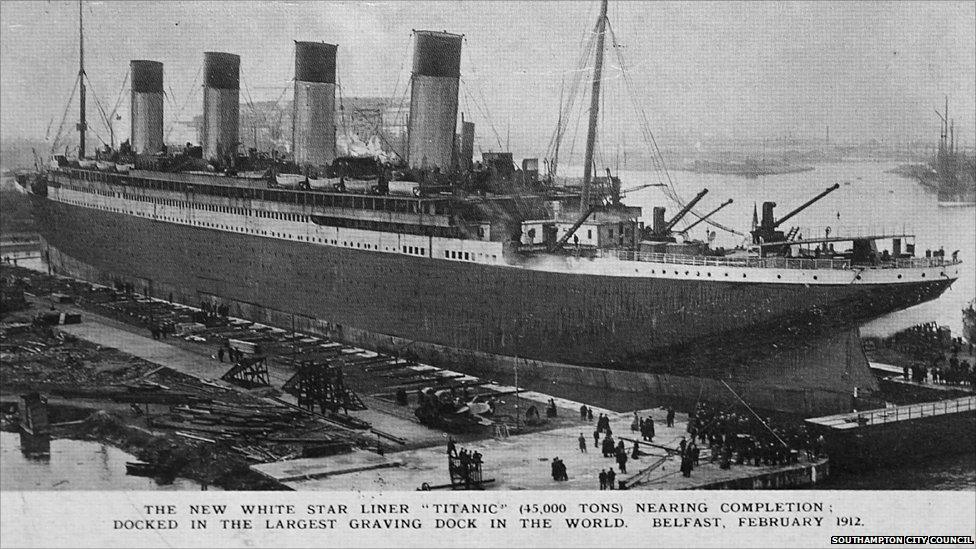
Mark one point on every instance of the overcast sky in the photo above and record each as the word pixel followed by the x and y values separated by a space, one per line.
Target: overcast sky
pixel 749 69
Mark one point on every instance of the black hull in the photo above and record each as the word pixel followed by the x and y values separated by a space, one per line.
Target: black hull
pixel 597 321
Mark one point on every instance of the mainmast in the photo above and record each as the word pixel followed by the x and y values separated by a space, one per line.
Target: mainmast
pixel 601 26
pixel 82 125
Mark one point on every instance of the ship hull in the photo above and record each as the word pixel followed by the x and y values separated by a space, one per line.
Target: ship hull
pixel 597 321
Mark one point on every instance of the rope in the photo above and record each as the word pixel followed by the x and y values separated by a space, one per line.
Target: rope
pixel 768 428
pixel 189 96
pixel 118 102
pixel 64 117
pixel 101 109
pixel 398 120
pixel 649 138
pixel 575 91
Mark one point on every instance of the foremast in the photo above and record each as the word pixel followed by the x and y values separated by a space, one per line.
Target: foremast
pixel 82 124
pixel 601 26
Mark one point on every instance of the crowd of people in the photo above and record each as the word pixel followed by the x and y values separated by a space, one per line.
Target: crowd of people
pixel 743 438
pixel 929 345
pixel 732 436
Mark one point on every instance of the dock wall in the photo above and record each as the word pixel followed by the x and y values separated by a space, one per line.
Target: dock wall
pixel 894 442
pixel 798 476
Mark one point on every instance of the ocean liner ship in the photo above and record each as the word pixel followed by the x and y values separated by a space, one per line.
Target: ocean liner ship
pixel 438 252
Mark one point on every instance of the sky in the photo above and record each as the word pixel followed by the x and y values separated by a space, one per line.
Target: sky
pixel 697 69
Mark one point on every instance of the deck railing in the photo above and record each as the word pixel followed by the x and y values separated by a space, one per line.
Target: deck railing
pixel 758 262
pixel 914 411
pixel 770 262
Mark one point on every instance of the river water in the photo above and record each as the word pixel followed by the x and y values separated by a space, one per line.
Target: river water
pixel 73 465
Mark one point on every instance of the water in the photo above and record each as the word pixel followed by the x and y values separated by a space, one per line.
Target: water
pixel 73 465
pixel 956 472
pixel 873 201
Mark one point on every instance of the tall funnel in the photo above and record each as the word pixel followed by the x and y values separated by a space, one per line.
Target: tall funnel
pixel 221 103
pixel 147 106
pixel 434 100
pixel 313 130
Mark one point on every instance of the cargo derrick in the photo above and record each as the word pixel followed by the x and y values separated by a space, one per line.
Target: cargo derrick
pixel 705 217
pixel 660 231
pixel 767 231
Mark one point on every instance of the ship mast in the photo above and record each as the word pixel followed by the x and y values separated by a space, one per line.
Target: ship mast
pixel 601 26
pixel 82 126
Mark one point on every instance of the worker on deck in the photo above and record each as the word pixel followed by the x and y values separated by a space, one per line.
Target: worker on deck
pixel 603 479
pixel 582 443
pixel 669 421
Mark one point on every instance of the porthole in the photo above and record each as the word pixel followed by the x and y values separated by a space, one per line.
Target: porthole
pixel 858 277
pixel 899 276
pixel 726 274
pixel 779 276
pixel 814 277
pixel 923 275
pixel 743 275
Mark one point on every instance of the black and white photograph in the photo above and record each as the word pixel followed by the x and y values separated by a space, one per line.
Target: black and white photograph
pixel 473 273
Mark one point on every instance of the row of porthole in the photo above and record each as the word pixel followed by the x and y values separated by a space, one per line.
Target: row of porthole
pixel 779 277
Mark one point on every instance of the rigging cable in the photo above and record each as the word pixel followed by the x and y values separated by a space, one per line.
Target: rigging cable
pixel 64 117
pixel 761 420
pixel 656 155
pixel 481 95
pixel 101 110
pixel 189 95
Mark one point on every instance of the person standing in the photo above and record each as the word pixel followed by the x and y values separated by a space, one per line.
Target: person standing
pixel 622 461
pixel 611 478
pixel 670 418
pixel 582 443
pixel 603 479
